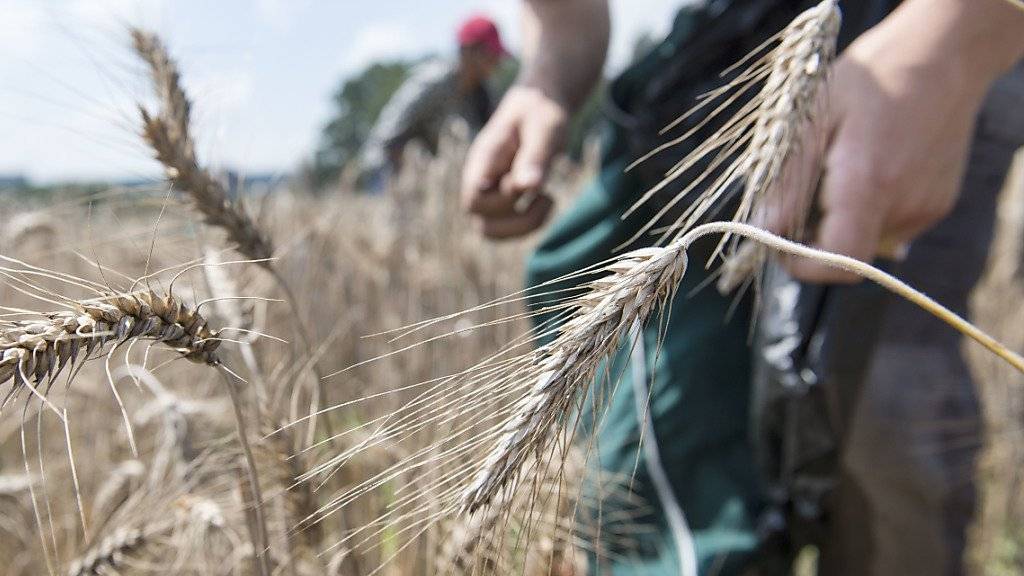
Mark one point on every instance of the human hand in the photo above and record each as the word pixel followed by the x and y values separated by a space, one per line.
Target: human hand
pixel 902 104
pixel 508 163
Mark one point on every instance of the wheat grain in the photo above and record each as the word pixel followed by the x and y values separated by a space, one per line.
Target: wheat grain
pixel 38 350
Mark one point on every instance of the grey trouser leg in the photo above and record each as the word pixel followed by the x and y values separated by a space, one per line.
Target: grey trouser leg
pixel 907 494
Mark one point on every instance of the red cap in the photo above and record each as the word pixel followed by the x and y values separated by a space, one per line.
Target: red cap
pixel 481 31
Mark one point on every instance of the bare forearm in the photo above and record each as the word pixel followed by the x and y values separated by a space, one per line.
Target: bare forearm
pixel 564 47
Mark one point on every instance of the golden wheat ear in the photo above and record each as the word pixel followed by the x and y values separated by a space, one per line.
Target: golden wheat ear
pixel 168 134
pixel 780 87
pixel 36 351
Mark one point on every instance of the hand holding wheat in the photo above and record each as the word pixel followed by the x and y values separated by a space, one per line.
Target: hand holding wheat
pixel 892 169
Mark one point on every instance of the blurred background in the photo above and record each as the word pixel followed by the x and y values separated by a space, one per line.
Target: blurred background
pixel 281 88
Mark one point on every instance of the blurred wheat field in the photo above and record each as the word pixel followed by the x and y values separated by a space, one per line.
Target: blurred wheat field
pixel 358 265
pixel 998 537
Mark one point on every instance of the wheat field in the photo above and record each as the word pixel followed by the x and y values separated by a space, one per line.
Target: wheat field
pixel 181 399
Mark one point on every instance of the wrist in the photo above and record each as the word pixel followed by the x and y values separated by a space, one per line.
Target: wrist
pixel 544 90
pixel 558 61
pixel 540 102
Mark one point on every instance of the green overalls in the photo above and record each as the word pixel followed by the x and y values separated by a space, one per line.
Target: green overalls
pixel 698 389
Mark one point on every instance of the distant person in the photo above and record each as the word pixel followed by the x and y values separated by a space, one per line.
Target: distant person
pixel 436 92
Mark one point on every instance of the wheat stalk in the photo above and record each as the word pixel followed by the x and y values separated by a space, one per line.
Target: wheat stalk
pixel 168 134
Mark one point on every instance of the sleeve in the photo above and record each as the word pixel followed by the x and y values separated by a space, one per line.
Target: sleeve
pixel 422 96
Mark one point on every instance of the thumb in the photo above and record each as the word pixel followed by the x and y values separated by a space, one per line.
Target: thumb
pixel 539 141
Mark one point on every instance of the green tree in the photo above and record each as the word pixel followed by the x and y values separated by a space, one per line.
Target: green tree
pixel 357 105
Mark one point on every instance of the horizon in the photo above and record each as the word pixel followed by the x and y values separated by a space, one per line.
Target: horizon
pixel 261 74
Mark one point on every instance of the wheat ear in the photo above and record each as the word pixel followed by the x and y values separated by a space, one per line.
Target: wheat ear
pixel 110 553
pixel 167 526
pixel 36 351
pixel 637 282
pixel 751 148
pixel 168 134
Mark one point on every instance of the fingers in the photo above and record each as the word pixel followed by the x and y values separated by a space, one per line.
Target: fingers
pixel 515 224
pixel 508 163
pixel 851 224
pixel 488 159
pixel 539 139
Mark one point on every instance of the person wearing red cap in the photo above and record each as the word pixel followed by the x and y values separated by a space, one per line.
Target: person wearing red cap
pixel 436 92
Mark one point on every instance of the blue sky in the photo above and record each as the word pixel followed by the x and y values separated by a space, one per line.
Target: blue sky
pixel 261 72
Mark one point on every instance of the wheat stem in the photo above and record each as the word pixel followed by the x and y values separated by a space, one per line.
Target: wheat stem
pixel 861 269
pixel 260 532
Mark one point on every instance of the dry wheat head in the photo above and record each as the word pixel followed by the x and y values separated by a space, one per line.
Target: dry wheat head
pixel 38 350
pixel 168 134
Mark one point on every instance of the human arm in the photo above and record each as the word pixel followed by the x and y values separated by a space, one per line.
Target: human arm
pixel 902 106
pixel 564 46
pixel 421 97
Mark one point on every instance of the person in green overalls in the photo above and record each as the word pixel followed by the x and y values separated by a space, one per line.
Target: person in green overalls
pixel 904 99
